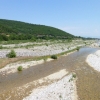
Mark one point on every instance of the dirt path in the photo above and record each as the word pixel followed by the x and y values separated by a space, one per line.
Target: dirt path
pixel 87 84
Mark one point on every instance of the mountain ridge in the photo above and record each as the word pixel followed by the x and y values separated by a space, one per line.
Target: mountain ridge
pixel 23 29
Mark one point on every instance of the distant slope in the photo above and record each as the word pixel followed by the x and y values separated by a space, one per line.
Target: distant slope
pixel 16 30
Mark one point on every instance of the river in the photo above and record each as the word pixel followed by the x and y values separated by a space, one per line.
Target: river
pixel 88 80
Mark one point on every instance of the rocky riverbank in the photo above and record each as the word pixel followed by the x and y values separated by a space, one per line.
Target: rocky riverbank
pixel 94 60
pixel 41 48
pixel 63 89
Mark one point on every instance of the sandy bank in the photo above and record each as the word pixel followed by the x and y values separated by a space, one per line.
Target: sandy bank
pixel 12 68
pixel 94 60
pixel 58 90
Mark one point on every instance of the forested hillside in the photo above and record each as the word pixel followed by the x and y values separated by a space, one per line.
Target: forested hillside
pixel 16 30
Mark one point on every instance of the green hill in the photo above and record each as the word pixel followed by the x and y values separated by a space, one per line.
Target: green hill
pixel 16 30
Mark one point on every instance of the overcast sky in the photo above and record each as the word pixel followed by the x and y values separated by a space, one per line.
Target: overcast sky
pixel 78 17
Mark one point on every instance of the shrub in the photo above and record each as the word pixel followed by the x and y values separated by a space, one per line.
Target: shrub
pixel 1 47
pixel 77 48
pixel 20 68
pixel 68 47
pixel 54 57
pixel 11 54
pixel 74 75
pixel 46 44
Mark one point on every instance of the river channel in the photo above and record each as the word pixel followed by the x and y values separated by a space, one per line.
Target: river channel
pixel 88 80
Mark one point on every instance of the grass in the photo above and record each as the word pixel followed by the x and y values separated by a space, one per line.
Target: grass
pixel 45 59
pixel 32 44
pixel 1 47
pixel 15 41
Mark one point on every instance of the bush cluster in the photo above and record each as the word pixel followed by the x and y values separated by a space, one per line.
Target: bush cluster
pixel 54 57
pixel 20 68
pixel 74 75
pixel 78 48
pixel 11 54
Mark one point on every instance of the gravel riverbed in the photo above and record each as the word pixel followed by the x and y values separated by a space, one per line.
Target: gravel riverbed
pixel 94 60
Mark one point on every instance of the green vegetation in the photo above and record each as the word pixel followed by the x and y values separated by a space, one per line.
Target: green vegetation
pixel 78 48
pixel 8 61
pixel 20 68
pixel 60 96
pixel 1 47
pixel 54 57
pixel 74 75
pixel 12 54
pixel 16 30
